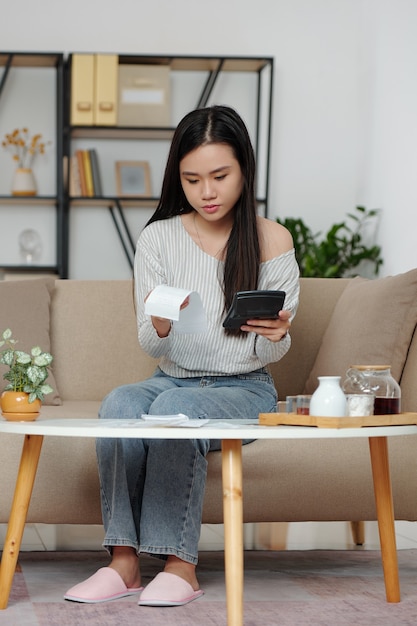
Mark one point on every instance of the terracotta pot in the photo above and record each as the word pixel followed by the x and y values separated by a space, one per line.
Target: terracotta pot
pixel 15 406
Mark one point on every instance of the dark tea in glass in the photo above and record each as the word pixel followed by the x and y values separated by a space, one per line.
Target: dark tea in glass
pixel 386 406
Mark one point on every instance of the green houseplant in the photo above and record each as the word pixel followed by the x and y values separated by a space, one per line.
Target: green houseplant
pixel 26 376
pixel 340 252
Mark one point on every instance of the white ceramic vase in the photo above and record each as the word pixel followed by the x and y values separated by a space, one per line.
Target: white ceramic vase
pixel 23 182
pixel 328 400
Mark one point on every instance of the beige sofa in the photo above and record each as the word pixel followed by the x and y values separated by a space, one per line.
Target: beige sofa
pixel 94 342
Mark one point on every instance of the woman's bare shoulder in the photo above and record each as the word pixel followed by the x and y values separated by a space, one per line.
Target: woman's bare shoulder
pixel 275 239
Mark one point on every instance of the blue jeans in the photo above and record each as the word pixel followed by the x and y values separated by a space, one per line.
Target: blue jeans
pixel 152 490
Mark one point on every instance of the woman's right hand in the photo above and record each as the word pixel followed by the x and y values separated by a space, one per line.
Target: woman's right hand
pixel 163 325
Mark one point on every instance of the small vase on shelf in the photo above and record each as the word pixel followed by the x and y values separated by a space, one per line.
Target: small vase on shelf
pixel 328 400
pixel 23 183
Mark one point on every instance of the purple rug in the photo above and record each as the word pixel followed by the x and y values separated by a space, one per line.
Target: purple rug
pixel 289 588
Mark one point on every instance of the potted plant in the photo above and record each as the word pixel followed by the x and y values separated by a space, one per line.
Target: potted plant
pixel 26 376
pixel 340 253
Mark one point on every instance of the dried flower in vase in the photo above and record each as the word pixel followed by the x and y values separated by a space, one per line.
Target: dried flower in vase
pixel 24 147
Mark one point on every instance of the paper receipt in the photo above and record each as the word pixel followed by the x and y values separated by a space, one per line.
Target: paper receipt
pixel 165 301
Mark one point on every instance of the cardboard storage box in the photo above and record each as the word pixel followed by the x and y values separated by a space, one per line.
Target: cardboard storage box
pixel 144 95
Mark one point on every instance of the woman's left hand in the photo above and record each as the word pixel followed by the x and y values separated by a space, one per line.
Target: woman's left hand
pixel 274 330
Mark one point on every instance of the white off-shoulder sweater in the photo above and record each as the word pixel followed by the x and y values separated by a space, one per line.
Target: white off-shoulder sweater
pixel 167 255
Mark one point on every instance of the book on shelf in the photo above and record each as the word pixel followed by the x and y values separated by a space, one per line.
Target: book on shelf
pixel 65 172
pixel 97 186
pixel 88 173
pixel 74 178
pixel 85 178
pixel 81 171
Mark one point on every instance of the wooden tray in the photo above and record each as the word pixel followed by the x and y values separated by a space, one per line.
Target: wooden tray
pixel 292 419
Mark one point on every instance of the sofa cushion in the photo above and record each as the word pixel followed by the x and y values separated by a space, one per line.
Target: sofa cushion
pixel 372 323
pixel 24 308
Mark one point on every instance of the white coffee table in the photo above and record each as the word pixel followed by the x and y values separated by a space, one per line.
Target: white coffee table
pixel 231 436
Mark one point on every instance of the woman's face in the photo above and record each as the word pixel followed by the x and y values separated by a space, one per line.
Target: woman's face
pixel 212 180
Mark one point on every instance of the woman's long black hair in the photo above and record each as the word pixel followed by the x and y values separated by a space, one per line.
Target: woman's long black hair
pixel 218 124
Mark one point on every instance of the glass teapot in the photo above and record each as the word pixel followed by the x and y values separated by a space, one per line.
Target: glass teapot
pixel 378 380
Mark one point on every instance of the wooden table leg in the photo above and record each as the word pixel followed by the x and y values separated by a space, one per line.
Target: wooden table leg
pixel 233 529
pixel 24 484
pixel 385 511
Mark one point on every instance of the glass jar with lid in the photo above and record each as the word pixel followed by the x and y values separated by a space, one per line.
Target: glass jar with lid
pixel 376 380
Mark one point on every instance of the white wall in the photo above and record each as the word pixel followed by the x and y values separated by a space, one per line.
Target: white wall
pixel 344 129
pixel 387 177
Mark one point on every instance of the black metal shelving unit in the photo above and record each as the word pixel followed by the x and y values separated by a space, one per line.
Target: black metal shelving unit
pixel 213 66
pixel 55 60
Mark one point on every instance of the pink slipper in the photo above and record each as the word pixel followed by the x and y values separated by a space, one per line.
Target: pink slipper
pixel 106 584
pixel 168 590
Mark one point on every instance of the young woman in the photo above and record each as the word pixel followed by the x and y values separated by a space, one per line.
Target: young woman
pixel 204 236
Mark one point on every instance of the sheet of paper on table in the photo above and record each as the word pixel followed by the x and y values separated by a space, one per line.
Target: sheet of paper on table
pixel 165 301
pixel 174 420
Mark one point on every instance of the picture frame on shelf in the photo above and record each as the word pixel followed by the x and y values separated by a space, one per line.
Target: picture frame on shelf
pixel 133 179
